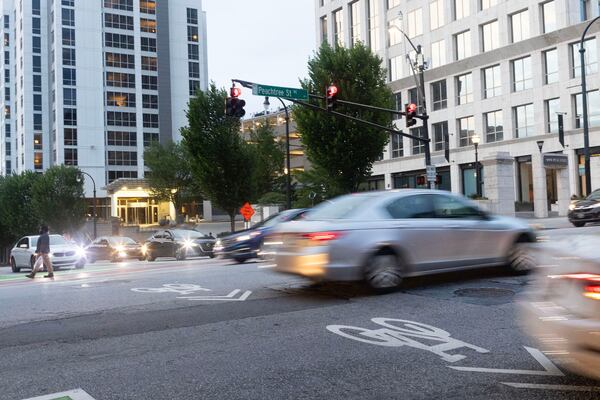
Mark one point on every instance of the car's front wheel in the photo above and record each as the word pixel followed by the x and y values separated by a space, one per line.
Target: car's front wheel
pixel 180 255
pixel 577 224
pixel 520 259
pixel 383 272
pixel 13 265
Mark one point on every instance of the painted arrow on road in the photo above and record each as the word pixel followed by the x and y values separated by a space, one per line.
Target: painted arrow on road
pixel 230 297
pixel 549 368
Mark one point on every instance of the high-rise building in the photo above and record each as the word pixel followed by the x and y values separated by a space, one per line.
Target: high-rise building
pixel 91 83
pixel 500 70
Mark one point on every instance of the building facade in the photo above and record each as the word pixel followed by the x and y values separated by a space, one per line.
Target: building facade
pixel 500 70
pixel 92 83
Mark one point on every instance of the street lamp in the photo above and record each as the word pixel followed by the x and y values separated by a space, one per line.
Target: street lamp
pixel 94 187
pixel 540 144
pixel 475 139
pixel 287 169
pixel 586 128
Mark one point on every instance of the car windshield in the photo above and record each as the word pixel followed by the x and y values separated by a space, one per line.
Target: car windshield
pixel 187 235
pixel 55 240
pixel 276 219
pixel 595 195
pixel 121 240
pixel 344 207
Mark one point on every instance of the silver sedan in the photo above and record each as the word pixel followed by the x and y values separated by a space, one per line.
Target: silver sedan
pixel 382 237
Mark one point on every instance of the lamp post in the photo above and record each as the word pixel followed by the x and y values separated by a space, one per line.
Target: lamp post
pixel 94 205
pixel 540 144
pixel 288 172
pixel 476 139
pixel 586 128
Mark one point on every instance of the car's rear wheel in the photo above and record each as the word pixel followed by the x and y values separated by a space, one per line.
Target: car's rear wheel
pixel 383 272
pixel 578 224
pixel 211 254
pixel 520 261
pixel 13 265
pixel 240 260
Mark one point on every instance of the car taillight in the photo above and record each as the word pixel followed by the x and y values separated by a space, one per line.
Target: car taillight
pixel 322 236
pixel 590 283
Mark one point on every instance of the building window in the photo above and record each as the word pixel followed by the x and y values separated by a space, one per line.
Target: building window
pixel 37 83
pixel 37 122
pixel 148 6
pixel 485 4
pixel 374 41
pixel 192 16
pixel 68 17
pixel 494 131
pixel 436 14
pixel 355 23
pixel 68 3
pixel 519 23
pixel 418 147
pixel 150 137
pixel 395 68
pixel 549 22
pixel 37 102
pixel 148 44
pixel 492 82
pixel 70 157
pixel 36 44
pixel 114 175
pixel 466 130
pixel 118 79
pixel 70 116
pixel 550 66
pixel 415 23
pixel 397 146
pixel 119 138
pixel 522 74
pixel 593 109
pixel 37 141
pixel 462 43
pixel 126 5
pixel 118 41
pixel 36 26
pixel 119 99
pixel 464 88
pixel 68 56
pixel 149 82
pixel 192 33
pixel 440 129
pixel 149 63
pixel 461 9
pixel 151 121
pixel 439 95
pixel 193 53
pixel 114 118
pixel 122 158
pixel 118 21
pixel 552 111
pixel 150 101
pixel 491 38
pixel 194 69
pixel 323 25
pixel 69 97
pixel 70 136
pixel 194 86
pixel 117 60
pixel 591 58
pixel 35 7
pixel 69 77
pixel 68 37
pixel 338 27
pixel 524 123
pixel 148 25
pixel 38 161
pixel 438 53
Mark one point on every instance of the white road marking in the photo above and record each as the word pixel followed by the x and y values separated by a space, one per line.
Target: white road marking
pixel 571 388
pixel 229 297
pixel 77 394
pixel 180 288
pixel 267 266
pixel 549 368
pixel 397 336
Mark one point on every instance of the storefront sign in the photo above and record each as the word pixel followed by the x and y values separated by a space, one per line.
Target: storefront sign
pixel 555 161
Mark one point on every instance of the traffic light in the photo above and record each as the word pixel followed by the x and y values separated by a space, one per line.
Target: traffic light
pixel 561 130
pixel 331 97
pixel 411 111
pixel 234 107
pixel 421 180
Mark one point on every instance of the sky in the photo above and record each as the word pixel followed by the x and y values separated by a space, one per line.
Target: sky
pixel 262 41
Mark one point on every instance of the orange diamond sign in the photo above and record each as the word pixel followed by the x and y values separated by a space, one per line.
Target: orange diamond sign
pixel 247 211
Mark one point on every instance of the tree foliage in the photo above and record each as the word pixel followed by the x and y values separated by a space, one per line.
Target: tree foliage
pixel 268 162
pixel 221 161
pixel 345 150
pixel 17 213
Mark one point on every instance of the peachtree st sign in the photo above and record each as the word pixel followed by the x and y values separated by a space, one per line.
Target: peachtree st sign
pixel 277 91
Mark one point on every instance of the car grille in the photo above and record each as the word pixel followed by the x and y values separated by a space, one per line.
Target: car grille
pixel 65 254
pixel 206 246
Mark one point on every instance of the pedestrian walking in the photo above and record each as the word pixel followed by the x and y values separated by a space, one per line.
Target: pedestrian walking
pixel 42 252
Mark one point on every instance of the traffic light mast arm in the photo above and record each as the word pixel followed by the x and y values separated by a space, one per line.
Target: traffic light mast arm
pixel 368 107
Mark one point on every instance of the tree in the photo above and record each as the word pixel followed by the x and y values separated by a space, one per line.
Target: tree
pixel 268 161
pixel 170 175
pixel 315 185
pixel 344 149
pixel 221 161
pixel 18 214
pixel 59 198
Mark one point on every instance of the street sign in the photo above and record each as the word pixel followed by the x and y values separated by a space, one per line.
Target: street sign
pixel 555 161
pixel 431 173
pixel 247 211
pixel 277 91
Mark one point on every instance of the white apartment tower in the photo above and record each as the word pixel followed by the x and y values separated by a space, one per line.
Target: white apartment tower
pixel 498 69
pixel 92 82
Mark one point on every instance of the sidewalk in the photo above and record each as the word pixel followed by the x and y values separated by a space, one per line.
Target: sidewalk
pixel 548 223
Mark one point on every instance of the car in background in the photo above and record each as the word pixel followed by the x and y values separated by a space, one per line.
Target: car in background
pixel 244 245
pixel 62 253
pixel 114 248
pixel 179 244
pixel 585 210
pixel 383 237
pixel 561 309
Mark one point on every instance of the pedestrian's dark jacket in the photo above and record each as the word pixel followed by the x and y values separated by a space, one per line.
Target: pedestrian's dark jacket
pixel 43 244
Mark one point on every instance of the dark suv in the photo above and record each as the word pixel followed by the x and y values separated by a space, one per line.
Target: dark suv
pixel 178 243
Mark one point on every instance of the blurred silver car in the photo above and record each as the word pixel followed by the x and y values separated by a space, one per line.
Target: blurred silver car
pixel 382 237
pixel 562 308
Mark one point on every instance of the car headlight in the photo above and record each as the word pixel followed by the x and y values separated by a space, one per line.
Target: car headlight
pixel 80 252
pixel 188 244
pixel 242 238
pixel 144 248
pixel 218 243
pixel 120 248
pixel 571 207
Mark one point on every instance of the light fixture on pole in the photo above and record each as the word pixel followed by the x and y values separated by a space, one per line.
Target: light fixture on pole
pixel 540 144
pixel 475 139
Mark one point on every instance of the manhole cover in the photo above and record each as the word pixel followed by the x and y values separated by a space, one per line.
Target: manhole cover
pixel 484 292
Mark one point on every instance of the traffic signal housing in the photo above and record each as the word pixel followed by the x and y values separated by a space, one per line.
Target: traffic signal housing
pixel 331 97
pixel 410 113
pixel 234 106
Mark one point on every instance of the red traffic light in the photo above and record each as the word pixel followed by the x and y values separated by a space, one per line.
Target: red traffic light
pixel 412 108
pixel 332 91
pixel 235 92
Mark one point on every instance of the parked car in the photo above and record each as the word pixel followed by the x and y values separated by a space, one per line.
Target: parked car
pixel 562 308
pixel 247 244
pixel 382 237
pixel 114 248
pixel 62 253
pixel 178 243
pixel 585 210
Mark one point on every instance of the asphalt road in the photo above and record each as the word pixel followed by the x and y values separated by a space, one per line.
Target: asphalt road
pixel 208 329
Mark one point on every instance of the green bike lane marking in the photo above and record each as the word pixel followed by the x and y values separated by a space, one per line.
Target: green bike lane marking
pixel 77 394
pixel 22 277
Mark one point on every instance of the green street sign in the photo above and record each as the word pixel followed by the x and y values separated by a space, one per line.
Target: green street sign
pixel 276 91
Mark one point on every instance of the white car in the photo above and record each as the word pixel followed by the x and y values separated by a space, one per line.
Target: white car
pixel 562 309
pixel 62 253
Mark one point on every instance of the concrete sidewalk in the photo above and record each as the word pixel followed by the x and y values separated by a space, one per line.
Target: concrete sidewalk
pixel 549 223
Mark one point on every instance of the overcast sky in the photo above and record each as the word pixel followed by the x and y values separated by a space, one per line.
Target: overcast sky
pixel 263 41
